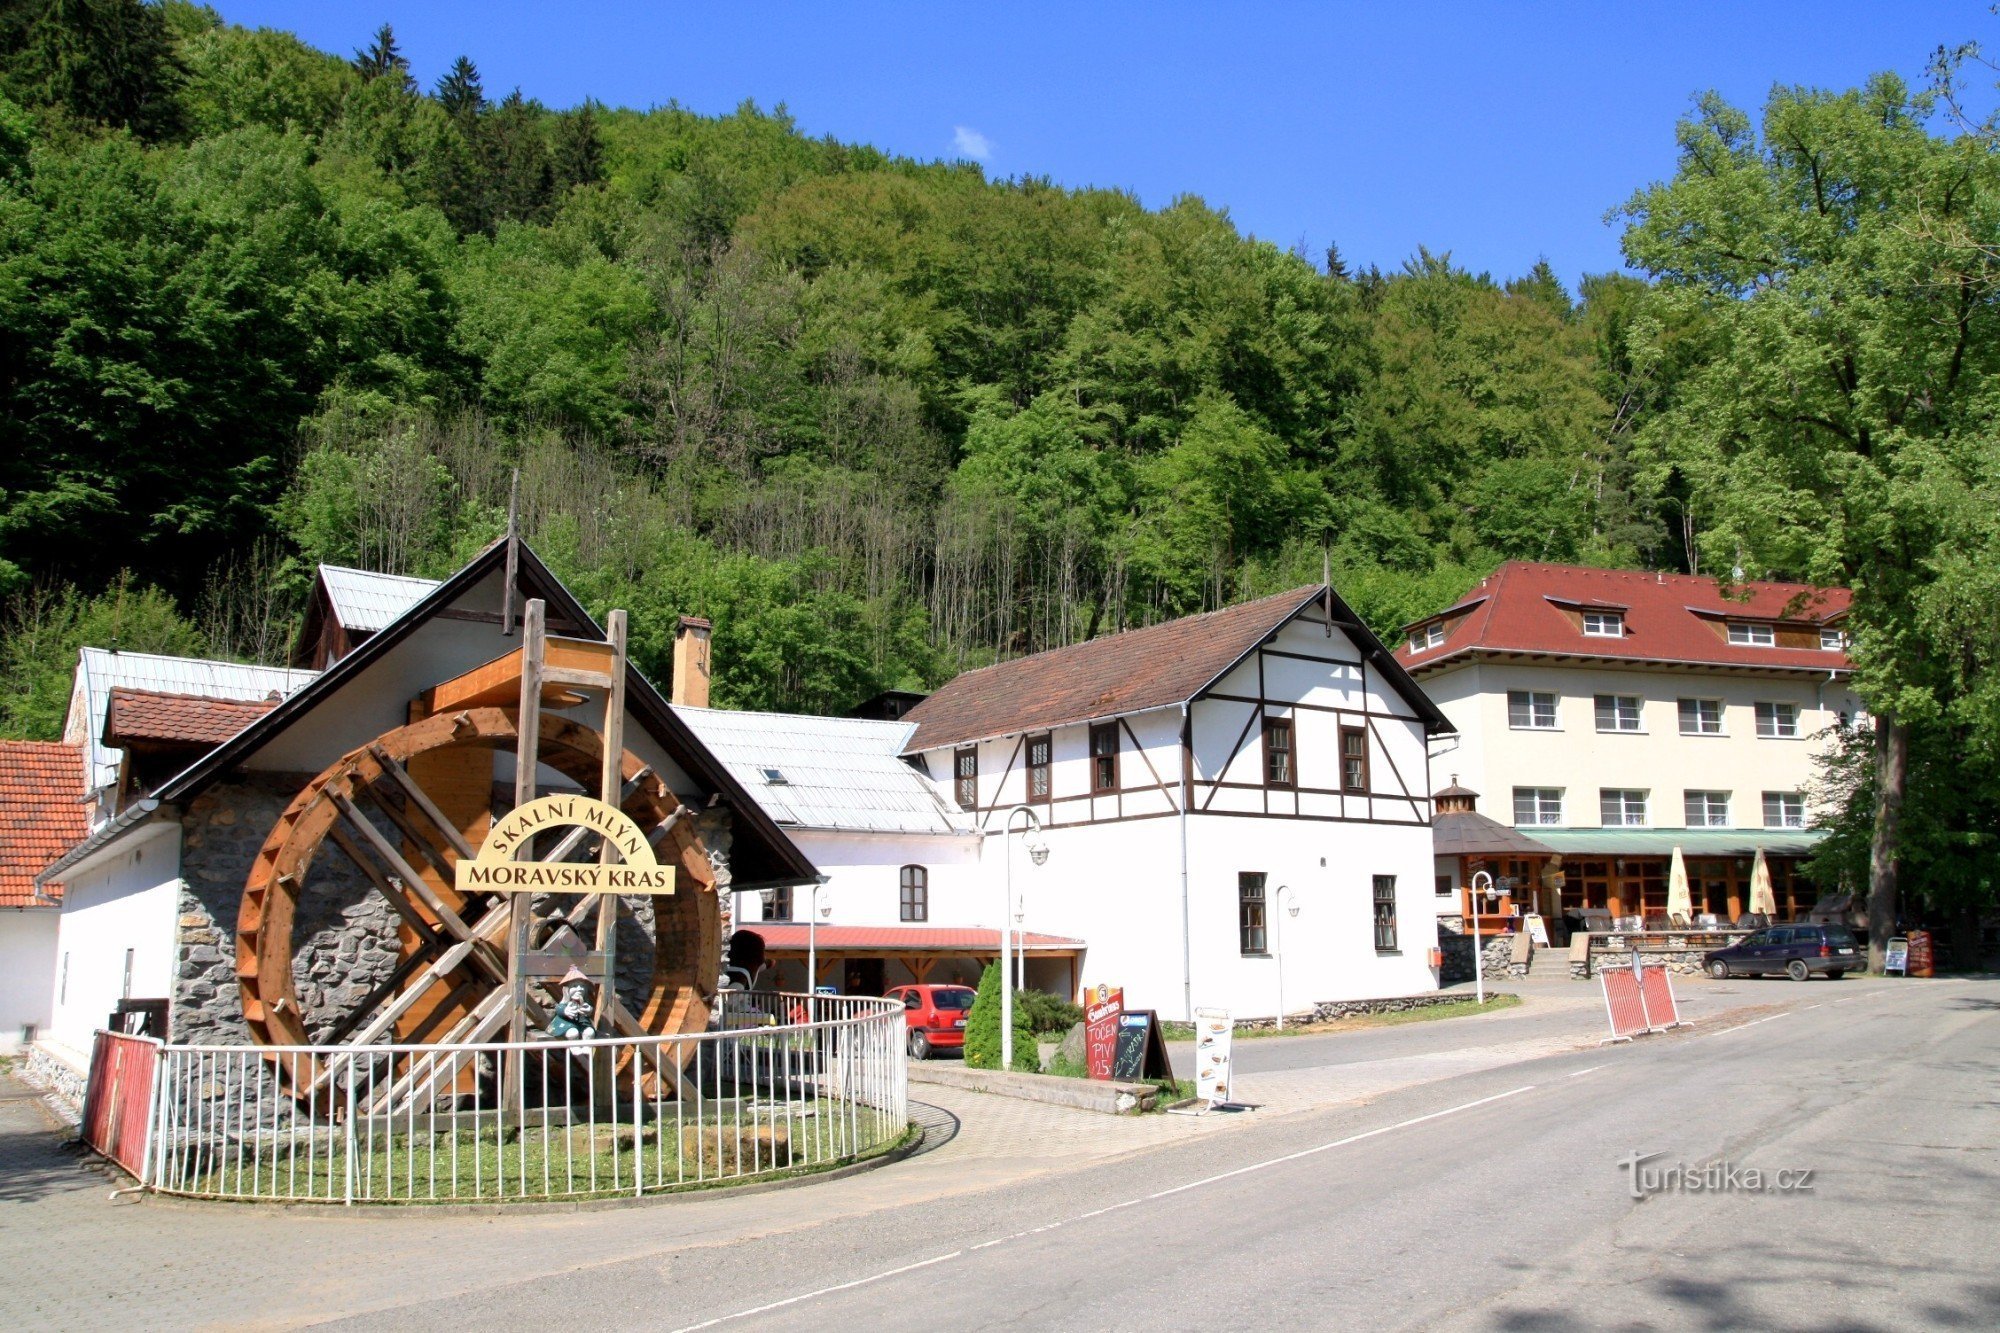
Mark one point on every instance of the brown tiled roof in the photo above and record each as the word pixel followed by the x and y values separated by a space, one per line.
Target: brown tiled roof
pixel 1469 833
pixel 42 814
pixel 177 719
pixel 1520 608
pixel 1162 664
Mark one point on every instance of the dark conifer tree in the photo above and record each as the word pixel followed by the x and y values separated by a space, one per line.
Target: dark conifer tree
pixel 459 91
pixel 579 151
pixel 110 61
pixel 382 58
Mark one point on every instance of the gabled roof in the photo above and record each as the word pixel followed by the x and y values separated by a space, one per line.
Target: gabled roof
pixel 1155 667
pixel 99 671
pixel 366 601
pixel 136 716
pixel 1670 618
pixel 41 814
pixel 836 773
pixel 761 853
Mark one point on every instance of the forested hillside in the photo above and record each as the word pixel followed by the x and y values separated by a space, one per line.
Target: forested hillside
pixel 263 306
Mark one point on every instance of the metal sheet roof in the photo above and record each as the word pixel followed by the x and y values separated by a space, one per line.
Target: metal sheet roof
pixel 99 671
pixel 1691 841
pixel 838 773
pixel 366 601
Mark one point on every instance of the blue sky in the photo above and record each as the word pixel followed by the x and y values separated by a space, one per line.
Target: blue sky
pixel 1499 132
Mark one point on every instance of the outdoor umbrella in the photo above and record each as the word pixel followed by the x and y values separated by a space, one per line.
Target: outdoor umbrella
pixel 1680 906
pixel 1761 897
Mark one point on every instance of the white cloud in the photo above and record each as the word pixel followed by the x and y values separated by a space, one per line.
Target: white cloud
pixel 971 143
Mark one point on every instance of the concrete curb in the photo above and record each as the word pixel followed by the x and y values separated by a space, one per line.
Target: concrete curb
pixel 1082 1094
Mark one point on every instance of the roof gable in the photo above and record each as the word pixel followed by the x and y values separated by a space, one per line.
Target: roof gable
pixel 1156 667
pixel 101 670
pixel 1525 607
pixel 452 628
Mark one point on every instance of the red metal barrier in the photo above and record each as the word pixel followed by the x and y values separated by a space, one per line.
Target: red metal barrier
pixel 1624 1004
pixel 118 1101
pixel 1656 988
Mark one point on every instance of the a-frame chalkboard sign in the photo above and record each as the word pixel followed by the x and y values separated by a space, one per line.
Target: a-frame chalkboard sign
pixel 1142 1051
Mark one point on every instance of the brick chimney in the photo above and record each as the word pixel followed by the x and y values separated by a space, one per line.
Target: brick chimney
pixel 691 669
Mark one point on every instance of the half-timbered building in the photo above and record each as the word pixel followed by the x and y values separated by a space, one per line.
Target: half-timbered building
pixel 1235 806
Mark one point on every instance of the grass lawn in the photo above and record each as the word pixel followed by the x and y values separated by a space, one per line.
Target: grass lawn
pixel 1448 1009
pixel 730 1142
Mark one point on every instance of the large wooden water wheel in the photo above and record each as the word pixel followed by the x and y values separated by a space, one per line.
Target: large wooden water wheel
pixel 431 781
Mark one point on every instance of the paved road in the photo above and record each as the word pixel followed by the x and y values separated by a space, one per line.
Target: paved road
pixel 1488 1199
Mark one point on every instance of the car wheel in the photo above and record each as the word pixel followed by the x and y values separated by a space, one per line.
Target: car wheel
pixel 1797 970
pixel 1719 970
pixel 920 1046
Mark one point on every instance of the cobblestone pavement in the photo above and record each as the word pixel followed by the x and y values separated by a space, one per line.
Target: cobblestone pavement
pixel 74 1258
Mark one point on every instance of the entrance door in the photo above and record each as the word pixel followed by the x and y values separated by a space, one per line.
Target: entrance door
pixel 864 976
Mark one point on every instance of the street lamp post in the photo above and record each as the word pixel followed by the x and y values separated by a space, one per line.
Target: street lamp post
pixel 1039 852
pixel 1279 908
pixel 1478 951
pixel 813 912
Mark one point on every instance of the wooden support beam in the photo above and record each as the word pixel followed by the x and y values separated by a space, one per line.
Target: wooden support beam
pixel 421 798
pixel 450 920
pixel 388 888
pixel 527 759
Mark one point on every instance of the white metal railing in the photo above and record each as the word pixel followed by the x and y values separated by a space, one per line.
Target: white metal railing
pixel 781 1084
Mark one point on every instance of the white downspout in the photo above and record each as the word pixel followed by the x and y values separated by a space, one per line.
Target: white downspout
pixel 1187 919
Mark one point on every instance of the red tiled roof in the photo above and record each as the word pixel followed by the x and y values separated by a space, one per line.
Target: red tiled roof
pixel 42 814
pixel 917 939
pixel 1153 667
pixel 178 719
pixel 1521 607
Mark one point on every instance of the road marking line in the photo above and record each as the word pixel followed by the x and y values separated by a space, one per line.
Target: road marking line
pixel 1771 1018
pixel 823 1291
pixel 1581 1072
pixel 1099 1212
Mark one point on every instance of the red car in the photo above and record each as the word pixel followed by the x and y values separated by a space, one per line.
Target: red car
pixel 936 1017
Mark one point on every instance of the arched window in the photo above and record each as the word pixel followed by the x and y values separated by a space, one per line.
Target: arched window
pixel 916 893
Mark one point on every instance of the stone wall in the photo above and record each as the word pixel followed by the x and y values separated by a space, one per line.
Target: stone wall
pixel 1455 949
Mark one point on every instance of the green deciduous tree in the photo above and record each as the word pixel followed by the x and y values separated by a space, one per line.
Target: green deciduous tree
pixel 1843 258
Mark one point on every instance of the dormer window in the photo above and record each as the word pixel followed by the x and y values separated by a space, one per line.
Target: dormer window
pixel 1753 636
pixel 1427 636
pixel 1833 640
pixel 1604 624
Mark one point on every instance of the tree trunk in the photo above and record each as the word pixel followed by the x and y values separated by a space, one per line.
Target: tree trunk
pixel 1892 764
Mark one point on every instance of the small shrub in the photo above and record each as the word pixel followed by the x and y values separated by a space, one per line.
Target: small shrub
pixel 1050 1014
pixel 982 1029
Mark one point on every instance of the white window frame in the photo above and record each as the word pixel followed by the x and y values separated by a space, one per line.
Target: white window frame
pixel 1625 803
pixel 1714 809
pixel 1612 706
pixel 1546 812
pixel 1692 708
pixel 1832 640
pixel 1530 703
pixel 1790 808
pixel 1427 636
pixel 1752 634
pixel 1604 624
pixel 1783 726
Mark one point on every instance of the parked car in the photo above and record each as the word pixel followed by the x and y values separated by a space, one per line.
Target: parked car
pixel 936 1017
pixel 1798 951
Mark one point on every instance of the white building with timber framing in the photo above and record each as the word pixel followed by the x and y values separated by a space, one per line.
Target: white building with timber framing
pixel 1226 799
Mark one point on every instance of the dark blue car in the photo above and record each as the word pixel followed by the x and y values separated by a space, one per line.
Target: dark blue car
pixel 1796 951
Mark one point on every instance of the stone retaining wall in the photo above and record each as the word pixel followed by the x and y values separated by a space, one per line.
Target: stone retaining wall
pixel 1456 953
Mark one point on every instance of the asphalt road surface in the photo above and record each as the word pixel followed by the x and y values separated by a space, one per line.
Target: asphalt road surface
pixel 1496 1200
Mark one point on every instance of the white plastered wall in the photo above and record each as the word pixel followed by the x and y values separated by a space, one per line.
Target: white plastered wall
pixel 127 900
pixel 27 971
